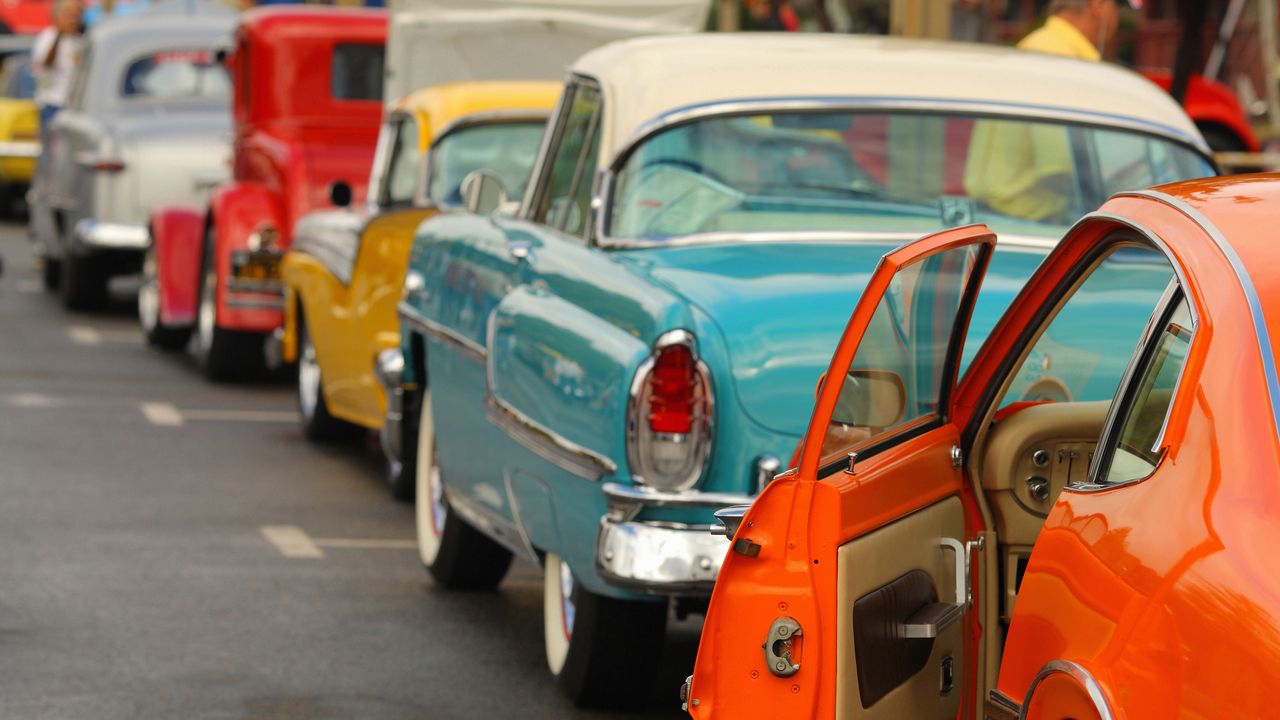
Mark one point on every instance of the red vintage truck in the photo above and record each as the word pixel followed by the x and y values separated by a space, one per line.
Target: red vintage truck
pixel 306 108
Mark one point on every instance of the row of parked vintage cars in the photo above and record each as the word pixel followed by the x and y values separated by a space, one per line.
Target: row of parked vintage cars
pixel 586 315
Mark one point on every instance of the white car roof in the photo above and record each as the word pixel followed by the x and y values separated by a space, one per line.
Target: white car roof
pixel 648 81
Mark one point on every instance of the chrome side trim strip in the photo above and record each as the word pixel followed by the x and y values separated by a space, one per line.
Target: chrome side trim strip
pixel 20 149
pixel 547 444
pixel 1077 673
pixel 1246 285
pixel 489 522
pixel 256 303
pixel 468 347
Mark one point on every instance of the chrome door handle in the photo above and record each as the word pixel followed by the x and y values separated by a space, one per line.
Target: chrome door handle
pixel 521 250
pixel 932 620
pixel 415 285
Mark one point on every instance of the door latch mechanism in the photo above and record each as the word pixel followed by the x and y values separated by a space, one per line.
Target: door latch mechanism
pixel 782 647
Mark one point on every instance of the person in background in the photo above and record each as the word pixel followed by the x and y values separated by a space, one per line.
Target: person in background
pixel 54 55
pixel 1024 170
pixel 1076 28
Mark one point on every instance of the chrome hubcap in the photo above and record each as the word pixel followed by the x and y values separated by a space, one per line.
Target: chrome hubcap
pixel 149 294
pixel 437 495
pixel 567 610
pixel 208 313
pixel 308 378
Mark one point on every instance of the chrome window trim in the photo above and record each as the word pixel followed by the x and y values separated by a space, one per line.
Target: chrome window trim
pixel 551 140
pixel 468 347
pixel 1246 285
pixel 727 108
pixel 1077 673
pixel 487 117
pixel 381 151
pixel 1122 403
pixel 1028 111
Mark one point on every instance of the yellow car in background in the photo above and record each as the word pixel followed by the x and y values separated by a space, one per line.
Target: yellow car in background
pixel 343 275
pixel 19 130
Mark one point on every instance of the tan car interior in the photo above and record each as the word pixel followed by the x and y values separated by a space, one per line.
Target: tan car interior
pixel 1022 462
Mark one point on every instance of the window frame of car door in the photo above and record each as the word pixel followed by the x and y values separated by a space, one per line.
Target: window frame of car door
pixel 1126 396
pixel 485 118
pixel 386 160
pixel 1126 232
pixel 536 195
pixel 948 383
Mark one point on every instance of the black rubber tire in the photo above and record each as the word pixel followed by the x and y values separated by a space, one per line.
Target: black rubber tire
pixel 157 334
pixel 614 650
pixel 51 273
pixel 83 284
pixel 464 557
pixel 230 355
pixel 318 425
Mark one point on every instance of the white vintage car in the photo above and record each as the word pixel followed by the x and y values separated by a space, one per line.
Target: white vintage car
pixel 147 122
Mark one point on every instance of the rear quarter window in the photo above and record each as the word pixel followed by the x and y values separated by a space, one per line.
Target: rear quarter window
pixel 356 71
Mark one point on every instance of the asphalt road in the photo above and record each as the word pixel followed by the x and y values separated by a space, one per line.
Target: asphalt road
pixel 137 574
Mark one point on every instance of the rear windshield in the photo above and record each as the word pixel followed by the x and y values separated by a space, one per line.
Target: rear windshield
pixel 356 72
pixel 183 73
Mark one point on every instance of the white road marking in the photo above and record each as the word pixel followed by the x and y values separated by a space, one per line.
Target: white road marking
pixel 121 336
pixel 84 335
pixel 162 414
pixel 292 541
pixel 265 416
pixel 31 400
pixel 367 544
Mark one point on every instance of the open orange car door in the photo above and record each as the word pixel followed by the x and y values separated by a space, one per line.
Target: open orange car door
pixel 889 523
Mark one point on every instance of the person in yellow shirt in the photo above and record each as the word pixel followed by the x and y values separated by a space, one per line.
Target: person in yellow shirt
pixel 1075 28
pixel 1023 169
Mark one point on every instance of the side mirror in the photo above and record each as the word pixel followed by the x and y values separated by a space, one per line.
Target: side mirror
pixel 340 193
pixel 871 398
pixel 483 193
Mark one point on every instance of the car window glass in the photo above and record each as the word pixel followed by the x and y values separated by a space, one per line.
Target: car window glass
pixel 1083 352
pixel 505 149
pixel 176 74
pixel 565 202
pixel 356 71
pixel 1136 453
pixel 20 83
pixel 898 372
pixel 402 172
pixel 884 172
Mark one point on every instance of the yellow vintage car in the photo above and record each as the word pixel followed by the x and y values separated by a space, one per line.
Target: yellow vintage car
pixel 19 129
pixel 344 273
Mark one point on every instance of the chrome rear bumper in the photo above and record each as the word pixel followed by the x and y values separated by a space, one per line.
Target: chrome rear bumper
pixel 389 369
pixel 661 558
pixel 93 235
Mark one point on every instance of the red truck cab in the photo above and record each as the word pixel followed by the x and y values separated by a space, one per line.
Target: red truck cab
pixel 306 110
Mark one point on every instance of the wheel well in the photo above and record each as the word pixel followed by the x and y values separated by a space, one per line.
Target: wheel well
pixel 1220 137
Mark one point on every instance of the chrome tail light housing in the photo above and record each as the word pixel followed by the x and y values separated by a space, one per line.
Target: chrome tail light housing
pixel 670 414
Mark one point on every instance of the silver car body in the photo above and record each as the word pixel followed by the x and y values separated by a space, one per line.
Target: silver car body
pixel 169 150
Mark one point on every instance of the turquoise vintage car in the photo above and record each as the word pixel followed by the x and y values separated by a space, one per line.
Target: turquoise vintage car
pixel 584 382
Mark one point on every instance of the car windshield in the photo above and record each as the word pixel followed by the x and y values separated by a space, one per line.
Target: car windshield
pixel 180 74
pixel 881 172
pixel 505 149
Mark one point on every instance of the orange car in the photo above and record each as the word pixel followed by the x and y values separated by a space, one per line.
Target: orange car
pixel 950 546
